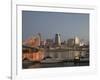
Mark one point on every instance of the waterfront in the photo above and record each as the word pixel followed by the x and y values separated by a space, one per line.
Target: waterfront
pixel 58 59
pixel 63 54
pixel 29 65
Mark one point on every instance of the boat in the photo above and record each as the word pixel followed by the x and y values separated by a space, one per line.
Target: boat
pixel 51 60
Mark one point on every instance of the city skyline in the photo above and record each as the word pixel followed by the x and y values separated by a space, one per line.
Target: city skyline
pixel 49 23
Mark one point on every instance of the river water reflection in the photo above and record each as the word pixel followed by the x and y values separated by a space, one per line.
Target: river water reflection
pixel 65 59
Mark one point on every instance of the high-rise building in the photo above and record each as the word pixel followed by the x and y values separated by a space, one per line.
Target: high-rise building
pixel 76 41
pixel 39 34
pixel 58 39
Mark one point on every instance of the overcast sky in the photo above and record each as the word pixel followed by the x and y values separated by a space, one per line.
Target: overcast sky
pixel 50 23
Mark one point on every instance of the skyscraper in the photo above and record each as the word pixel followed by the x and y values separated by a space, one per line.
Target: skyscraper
pixel 58 39
pixel 76 41
pixel 39 37
pixel 39 34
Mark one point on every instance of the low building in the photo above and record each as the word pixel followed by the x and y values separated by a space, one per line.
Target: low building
pixel 49 42
pixel 70 42
pixel 73 42
pixel 34 41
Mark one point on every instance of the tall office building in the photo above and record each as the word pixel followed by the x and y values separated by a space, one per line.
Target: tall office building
pixel 58 39
pixel 39 34
pixel 39 39
pixel 76 41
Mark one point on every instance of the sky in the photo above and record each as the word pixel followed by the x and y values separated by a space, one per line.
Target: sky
pixel 68 25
